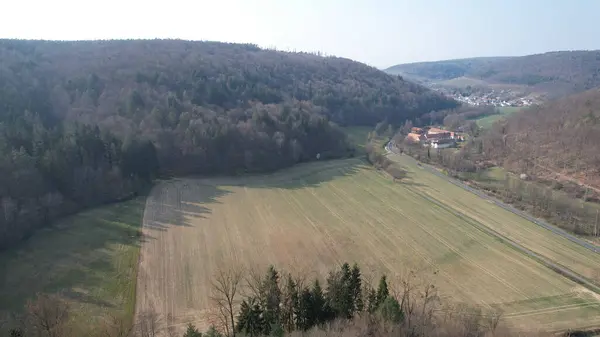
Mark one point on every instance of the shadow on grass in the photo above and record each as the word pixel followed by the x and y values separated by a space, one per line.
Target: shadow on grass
pixel 410 179
pixel 89 258
pixel 308 174
pixel 176 202
pixel 172 203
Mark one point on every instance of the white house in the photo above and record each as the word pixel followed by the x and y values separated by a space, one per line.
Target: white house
pixel 442 143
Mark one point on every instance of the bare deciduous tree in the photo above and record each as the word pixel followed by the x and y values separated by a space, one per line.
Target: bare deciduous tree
pixel 225 291
pixel 48 315
pixel 493 319
pixel 149 324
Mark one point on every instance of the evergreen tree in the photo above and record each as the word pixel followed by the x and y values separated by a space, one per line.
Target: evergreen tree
pixel 334 292
pixel 382 291
pixel 321 312
pixel 339 292
pixel 390 310
pixel 347 292
pixel 371 301
pixel 289 305
pixel 250 320
pixel 213 332
pixel 191 331
pixel 356 288
pixel 270 299
pixel 304 312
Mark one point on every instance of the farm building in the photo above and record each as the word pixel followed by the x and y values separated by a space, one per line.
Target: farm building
pixel 415 137
pixel 416 130
pixel 442 143
pixel 433 137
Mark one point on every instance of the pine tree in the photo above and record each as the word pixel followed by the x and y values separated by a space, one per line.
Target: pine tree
pixel 212 332
pixel 390 310
pixel 290 302
pixel 304 310
pixel 334 292
pixel 371 301
pixel 243 316
pixel 191 331
pixel 382 291
pixel 340 293
pixel 270 299
pixel 321 312
pixel 356 288
pixel 250 319
pixel 347 293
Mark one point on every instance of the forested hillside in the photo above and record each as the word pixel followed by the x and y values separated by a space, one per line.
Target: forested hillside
pixel 556 73
pixel 84 123
pixel 560 139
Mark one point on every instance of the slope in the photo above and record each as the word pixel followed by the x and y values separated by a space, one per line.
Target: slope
pixel 555 73
pixel 315 215
pixel 558 140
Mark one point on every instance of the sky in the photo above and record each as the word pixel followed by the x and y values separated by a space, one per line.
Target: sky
pixel 380 33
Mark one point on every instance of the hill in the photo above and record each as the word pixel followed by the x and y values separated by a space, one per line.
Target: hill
pixel 555 73
pixel 89 122
pixel 558 140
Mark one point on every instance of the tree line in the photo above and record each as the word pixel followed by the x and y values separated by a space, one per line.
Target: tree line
pixel 248 303
pixel 46 173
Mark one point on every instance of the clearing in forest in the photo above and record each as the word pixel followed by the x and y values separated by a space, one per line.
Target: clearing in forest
pixel 311 217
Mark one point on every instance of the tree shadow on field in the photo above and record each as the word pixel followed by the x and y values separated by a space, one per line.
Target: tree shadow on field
pixel 172 203
pixel 306 174
pixel 87 258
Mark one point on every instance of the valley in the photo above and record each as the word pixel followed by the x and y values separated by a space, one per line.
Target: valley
pixel 134 172
pixel 314 216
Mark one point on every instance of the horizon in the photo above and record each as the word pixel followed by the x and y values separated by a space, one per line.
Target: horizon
pixel 296 51
pixel 380 33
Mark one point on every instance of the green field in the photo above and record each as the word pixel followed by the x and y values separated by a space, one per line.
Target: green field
pixel 315 216
pixel 487 121
pixel 90 258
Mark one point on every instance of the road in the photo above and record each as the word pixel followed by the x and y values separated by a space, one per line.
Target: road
pixel 594 248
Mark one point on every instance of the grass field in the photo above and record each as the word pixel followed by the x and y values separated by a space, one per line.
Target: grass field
pixel 487 121
pixel 90 258
pixel 314 216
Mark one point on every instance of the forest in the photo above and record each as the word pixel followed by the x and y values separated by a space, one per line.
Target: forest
pixel 89 122
pixel 561 136
pixel 557 73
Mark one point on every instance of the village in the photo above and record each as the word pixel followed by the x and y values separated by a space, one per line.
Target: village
pixel 434 137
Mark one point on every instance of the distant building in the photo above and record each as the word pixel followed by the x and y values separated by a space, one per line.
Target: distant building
pixel 416 130
pixel 415 137
pixel 433 137
pixel 442 143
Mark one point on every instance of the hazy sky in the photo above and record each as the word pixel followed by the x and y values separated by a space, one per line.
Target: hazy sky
pixel 378 32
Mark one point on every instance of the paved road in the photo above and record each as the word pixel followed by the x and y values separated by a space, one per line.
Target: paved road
pixel 594 248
